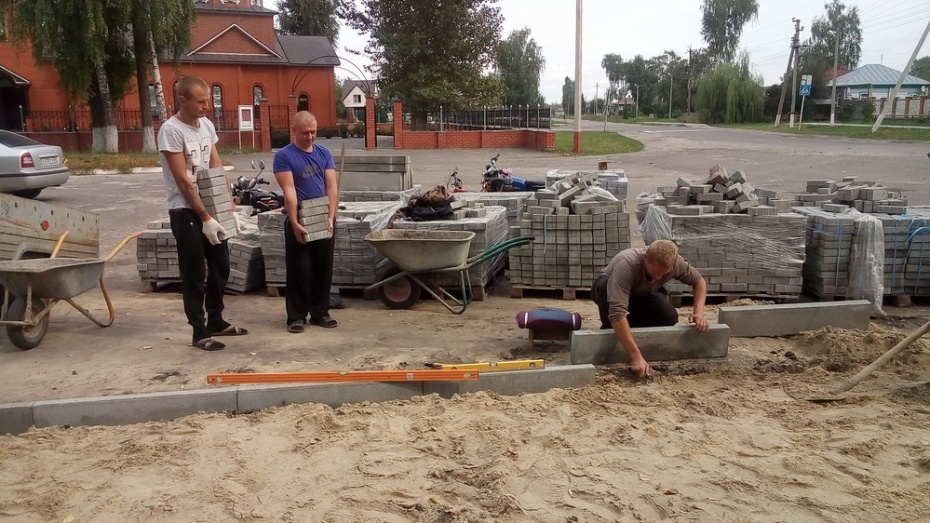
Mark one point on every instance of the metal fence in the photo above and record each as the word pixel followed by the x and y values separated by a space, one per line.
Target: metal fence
pixel 479 119
pixel 80 120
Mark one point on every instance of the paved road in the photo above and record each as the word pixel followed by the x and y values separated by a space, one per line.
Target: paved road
pixel 771 160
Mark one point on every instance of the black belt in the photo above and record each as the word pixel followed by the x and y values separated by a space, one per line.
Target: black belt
pixel 181 210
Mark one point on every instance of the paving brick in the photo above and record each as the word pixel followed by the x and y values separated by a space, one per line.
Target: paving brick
pixel 792 318
pixel 513 383
pixel 132 408
pixel 15 418
pixel 656 344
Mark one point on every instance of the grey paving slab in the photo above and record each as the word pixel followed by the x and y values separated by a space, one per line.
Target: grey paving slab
pixel 132 408
pixel 599 347
pixel 792 318
pixel 15 418
pixel 513 383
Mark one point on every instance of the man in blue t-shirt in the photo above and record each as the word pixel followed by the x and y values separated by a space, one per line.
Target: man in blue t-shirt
pixel 304 171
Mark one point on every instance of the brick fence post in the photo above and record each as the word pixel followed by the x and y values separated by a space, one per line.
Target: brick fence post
pixel 398 124
pixel 266 124
pixel 371 135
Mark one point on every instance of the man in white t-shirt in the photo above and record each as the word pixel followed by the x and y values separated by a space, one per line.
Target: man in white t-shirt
pixel 187 143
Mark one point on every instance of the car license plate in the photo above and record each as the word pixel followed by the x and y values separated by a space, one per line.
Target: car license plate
pixel 50 161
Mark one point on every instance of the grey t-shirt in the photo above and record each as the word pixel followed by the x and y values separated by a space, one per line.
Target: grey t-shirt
pixel 195 142
pixel 627 277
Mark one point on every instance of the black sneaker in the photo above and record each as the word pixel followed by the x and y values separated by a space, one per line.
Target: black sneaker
pixel 296 326
pixel 326 321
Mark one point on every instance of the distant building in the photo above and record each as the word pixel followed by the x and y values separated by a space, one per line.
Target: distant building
pixel 877 81
pixel 354 95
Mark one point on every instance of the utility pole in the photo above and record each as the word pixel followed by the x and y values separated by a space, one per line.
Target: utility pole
pixel 671 82
pixel 894 94
pixel 690 74
pixel 794 76
pixel 577 144
pixel 597 86
pixel 784 87
pixel 836 67
pixel 637 100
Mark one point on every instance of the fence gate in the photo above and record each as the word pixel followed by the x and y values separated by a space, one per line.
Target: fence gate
pixel 279 121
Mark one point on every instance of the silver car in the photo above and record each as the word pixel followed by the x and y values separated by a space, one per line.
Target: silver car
pixel 27 166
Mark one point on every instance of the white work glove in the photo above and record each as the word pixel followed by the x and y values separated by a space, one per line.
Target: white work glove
pixel 214 232
pixel 238 222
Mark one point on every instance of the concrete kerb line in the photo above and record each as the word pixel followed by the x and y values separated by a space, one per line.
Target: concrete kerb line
pixel 16 418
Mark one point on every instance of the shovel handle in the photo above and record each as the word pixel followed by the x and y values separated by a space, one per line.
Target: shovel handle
pixel 892 352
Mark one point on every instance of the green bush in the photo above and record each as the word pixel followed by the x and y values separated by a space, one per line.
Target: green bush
pixel 359 130
pixel 344 130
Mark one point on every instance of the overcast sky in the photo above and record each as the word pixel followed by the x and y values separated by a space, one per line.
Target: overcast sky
pixel 890 30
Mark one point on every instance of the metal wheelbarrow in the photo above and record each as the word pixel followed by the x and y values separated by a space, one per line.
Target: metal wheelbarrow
pixel 420 254
pixel 33 287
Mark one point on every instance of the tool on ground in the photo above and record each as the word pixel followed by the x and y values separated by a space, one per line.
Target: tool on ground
pixel 491 366
pixel 840 391
pixel 340 376
pixel 549 323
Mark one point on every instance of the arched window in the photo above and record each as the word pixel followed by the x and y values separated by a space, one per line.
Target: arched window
pixel 257 94
pixel 303 102
pixel 217 102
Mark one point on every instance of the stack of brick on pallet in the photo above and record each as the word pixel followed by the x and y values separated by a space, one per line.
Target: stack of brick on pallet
pixel 577 230
pixel 490 227
pixel 157 254
pixel 834 230
pixel 514 202
pixel 157 258
pixel 271 237
pixel 722 193
pixel 868 197
pixel 246 264
pixel 379 196
pixel 355 261
pixel 613 181
pixel 744 241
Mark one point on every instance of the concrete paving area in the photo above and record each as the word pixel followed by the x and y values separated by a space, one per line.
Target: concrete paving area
pixel 146 350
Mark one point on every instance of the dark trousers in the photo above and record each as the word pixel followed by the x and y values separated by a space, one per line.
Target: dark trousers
pixel 647 310
pixel 309 276
pixel 204 272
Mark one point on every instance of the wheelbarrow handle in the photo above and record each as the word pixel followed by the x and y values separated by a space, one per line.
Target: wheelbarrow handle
pixel 58 244
pixel 498 249
pixel 122 244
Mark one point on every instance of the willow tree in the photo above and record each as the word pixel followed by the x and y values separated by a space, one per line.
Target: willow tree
pixel 309 18
pixel 83 40
pixel 160 29
pixel 520 63
pixel 722 24
pixel 730 93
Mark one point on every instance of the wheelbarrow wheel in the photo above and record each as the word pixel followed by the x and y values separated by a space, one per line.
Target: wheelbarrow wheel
pixel 400 293
pixel 29 336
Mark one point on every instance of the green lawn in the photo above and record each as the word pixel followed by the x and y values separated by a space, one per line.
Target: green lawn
pixel 595 143
pixel 86 163
pixel 915 134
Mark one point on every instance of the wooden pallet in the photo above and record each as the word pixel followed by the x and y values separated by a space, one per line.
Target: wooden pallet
pixel 567 293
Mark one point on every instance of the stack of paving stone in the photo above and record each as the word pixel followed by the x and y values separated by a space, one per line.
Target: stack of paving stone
pixel 271 237
pixel 490 227
pixel 214 193
pixel 739 254
pixel 868 197
pixel 613 181
pixel 577 228
pixel 514 202
pixel 314 218
pixel 905 251
pixel 378 196
pixel 355 261
pixel 246 264
pixel 722 193
pixel 157 254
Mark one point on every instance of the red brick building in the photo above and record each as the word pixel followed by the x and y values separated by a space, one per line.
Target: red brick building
pixel 234 47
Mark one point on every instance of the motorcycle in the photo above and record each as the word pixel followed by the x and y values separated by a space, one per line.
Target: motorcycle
pixel 502 180
pixel 245 192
